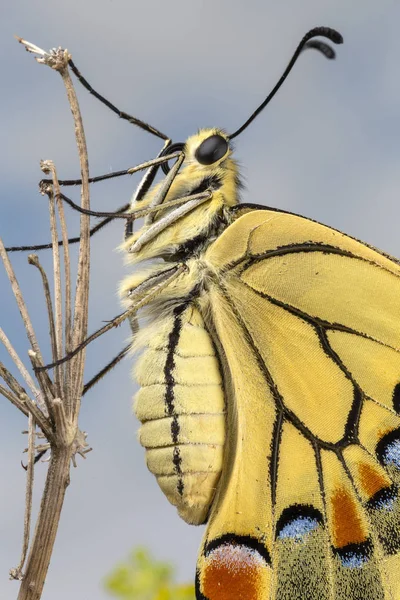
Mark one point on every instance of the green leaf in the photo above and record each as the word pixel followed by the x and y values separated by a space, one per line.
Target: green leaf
pixel 143 578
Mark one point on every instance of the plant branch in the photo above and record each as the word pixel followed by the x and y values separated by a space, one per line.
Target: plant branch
pixel 67 280
pixel 81 307
pixel 68 373
pixel 58 341
pixel 12 383
pixel 57 481
pixel 17 572
pixel 14 399
pixel 24 403
pixel 46 385
pixel 24 372
pixel 19 299
pixel 63 397
pixel 33 259
pixel 44 382
pixel 63 427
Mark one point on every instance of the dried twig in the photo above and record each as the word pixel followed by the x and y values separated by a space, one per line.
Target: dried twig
pixel 24 372
pixel 23 402
pixel 17 572
pixel 57 403
pixel 58 329
pixel 55 409
pixel 33 259
pixel 80 325
pixel 48 166
pixel 14 399
pixel 19 299
pixel 44 382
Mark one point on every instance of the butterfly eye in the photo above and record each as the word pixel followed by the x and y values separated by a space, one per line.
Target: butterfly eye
pixel 211 150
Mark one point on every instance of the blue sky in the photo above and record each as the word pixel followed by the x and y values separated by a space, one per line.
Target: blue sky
pixel 328 146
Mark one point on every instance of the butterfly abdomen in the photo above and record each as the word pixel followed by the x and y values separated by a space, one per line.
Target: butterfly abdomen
pixel 181 407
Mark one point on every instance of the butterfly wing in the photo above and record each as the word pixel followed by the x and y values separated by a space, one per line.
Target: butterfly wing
pixel 307 325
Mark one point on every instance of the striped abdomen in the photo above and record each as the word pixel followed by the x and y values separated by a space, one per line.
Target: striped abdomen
pixel 181 407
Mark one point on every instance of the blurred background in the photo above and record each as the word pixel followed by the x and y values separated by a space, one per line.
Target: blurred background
pixel 328 147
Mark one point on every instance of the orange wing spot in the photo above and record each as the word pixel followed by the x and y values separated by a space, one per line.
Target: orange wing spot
pixel 348 527
pixel 235 572
pixel 371 480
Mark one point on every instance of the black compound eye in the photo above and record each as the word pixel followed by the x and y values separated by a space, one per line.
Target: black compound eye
pixel 211 150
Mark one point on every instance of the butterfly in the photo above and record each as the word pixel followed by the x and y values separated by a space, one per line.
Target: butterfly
pixel 269 376
pixel 269 382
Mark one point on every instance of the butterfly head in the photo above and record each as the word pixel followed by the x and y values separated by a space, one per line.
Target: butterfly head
pixel 207 149
pixel 187 208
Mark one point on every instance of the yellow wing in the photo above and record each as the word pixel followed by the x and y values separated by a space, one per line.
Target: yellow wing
pixel 307 325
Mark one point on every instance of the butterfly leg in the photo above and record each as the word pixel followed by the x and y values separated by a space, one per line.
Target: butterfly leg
pixel 139 297
pixel 147 180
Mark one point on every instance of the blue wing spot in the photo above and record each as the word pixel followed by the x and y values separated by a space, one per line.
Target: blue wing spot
pixel 298 528
pixel 353 561
pixel 354 556
pixel 392 454
pixel 388 449
pixel 385 499
pixel 298 521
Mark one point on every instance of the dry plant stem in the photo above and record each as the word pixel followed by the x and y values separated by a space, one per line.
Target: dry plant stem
pixel 65 429
pixel 43 381
pixel 24 403
pixel 13 399
pixel 81 307
pixel 63 376
pixel 17 572
pixel 67 282
pixel 12 383
pixel 58 373
pixel 29 487
pixel 37 414
pixel 34 260
pixel 47 524
pixel 24 372
pixel 46 385
pixel 19 299
pixel 66 439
